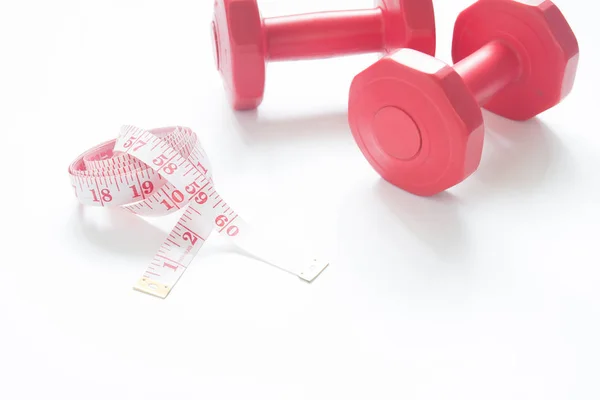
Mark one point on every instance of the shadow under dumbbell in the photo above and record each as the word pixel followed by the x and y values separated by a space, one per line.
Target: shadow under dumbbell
pixel 518 156
pixel 262 126
pixel 433 220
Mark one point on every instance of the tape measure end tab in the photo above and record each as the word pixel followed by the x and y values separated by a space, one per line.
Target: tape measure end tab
pixel 313 270
pixel 152 287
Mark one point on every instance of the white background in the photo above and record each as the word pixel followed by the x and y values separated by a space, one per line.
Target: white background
pixel 488 291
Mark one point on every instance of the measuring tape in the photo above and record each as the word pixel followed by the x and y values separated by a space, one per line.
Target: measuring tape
pixel 160 171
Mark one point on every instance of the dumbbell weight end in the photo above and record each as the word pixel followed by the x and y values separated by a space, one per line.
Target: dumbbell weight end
pixel 243 41
pixel 515 58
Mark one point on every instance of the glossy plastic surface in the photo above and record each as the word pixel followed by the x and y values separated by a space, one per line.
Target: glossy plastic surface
pixel 323 34
pixel 541 37
pixel 515 69
pixel 489 70
pixel 240 54
pixel 244 41
pixel 434 140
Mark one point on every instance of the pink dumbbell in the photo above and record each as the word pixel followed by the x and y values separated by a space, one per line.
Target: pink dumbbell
pixel 418 121
pixel 244 41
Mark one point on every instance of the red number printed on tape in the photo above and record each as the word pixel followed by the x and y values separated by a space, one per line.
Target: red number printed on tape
pixel 160 171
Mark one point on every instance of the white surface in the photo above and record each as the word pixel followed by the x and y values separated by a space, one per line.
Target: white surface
pixel 489 291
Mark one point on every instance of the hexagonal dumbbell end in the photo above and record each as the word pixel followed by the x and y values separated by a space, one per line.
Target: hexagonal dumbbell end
pixel 243 41
pixel 545 46
pixel 239 51
pixel 416 122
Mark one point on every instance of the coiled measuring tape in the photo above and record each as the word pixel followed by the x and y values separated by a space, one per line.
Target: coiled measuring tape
pixel 160 171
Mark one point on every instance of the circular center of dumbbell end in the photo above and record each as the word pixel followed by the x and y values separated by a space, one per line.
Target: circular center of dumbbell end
pixel 215 44
pixel 396 133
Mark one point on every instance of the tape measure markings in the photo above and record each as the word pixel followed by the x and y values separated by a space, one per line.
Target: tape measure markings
pixel 162 171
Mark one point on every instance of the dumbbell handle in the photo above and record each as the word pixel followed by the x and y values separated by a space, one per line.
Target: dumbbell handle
pixel 323 34
pixel 489 70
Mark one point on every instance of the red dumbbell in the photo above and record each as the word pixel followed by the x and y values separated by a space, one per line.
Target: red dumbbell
pixel 418 121
pixel 244 41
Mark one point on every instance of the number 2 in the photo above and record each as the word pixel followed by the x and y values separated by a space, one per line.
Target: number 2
pixel 190 237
